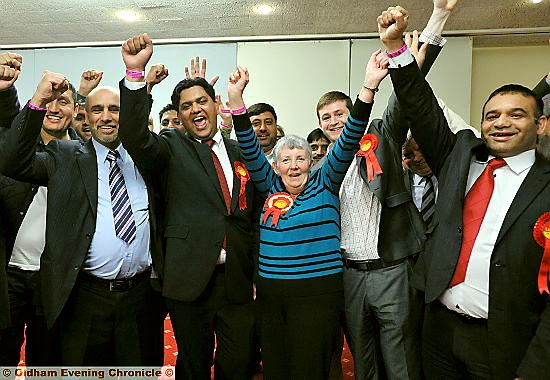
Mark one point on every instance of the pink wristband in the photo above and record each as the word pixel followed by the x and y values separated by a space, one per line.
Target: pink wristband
pixel 135 74
pixel 225 126
pixel 36 108
pixel 239 111
pixel 398 52
pixel 225 110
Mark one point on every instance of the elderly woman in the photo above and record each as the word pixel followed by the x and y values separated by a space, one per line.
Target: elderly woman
pixel 299 286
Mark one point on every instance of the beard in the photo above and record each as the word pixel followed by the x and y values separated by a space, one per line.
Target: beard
pixel 543 146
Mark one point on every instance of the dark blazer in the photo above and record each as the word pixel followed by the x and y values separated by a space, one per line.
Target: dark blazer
pixel 69 170
pixel 519 318
pixel 195 215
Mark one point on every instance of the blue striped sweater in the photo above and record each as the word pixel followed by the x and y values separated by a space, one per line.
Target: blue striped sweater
pixel 305 244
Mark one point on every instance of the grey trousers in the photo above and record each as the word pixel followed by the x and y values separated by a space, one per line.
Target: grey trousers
pixel 384 320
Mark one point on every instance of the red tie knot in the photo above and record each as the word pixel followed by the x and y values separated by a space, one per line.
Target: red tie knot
pixel 209 142
pixel 496 163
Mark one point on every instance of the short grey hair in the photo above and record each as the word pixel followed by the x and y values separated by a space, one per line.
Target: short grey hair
pixel 291 142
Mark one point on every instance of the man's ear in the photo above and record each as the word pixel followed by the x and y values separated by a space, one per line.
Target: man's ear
pixel 543 126
pixel 275 167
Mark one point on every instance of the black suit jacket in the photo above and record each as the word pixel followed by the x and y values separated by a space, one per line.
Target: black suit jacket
pixel 69 170
pixel 519 317
pixel 195 215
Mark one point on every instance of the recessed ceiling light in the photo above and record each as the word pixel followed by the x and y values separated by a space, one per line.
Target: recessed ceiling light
pixel 536 1
pixel 128 15
pixel 264 9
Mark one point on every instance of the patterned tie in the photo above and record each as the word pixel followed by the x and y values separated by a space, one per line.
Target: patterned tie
pixel 475 207
pixel 427 208
pixel 221 176
pixel 123 216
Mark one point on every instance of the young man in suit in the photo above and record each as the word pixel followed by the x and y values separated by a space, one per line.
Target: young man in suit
pixel 487 317
pixel 211 212
pixel 95 268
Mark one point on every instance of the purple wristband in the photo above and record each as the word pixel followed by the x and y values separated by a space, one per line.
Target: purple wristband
pixel 225 126
pixel 239 111
pixel 398 52
pixel 36 108
pixel 225 110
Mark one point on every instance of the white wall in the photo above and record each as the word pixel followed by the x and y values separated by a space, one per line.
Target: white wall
pixel 291 76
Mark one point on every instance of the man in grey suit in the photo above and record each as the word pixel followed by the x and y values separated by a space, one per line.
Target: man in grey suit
pixel 95 269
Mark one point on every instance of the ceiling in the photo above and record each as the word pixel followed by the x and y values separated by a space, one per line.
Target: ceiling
pixel 85 22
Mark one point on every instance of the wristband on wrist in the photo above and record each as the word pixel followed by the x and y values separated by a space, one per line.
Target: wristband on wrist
pixel 36 108
pixel 373 89
pixel 397 53
pixel 225 110
pixel 239 111
pixel 135 74
pixel 225 126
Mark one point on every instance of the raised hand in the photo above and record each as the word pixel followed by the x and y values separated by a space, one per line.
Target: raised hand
pixel 137 51
pixel 224 111
pixel 445 5
pixel 157 73
pixel 237 83
pixel 88 81
pixel 391 25
pixel 375 72
pixel 50 87
pixel 10 68
pixel 412 44
pixel 193 70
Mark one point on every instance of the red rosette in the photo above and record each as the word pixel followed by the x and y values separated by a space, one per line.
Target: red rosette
pixel 276 204
pixel 242 174
pixel 367 146
pixel 541 233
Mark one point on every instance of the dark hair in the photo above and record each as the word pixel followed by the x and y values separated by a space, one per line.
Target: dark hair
pixel 188 83
pixel 331 97
pixel 166 108
pixel 258 108
pixel 515 89
pixel 315 135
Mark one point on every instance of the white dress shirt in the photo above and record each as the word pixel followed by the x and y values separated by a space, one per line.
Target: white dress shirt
pixel 472 296
pixel 417 187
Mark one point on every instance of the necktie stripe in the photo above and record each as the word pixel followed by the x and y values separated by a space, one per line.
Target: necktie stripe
pixel 123 217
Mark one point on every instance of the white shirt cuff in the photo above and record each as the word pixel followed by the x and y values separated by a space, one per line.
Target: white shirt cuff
pixel 401 60
pixel 432 38
pixel 134 85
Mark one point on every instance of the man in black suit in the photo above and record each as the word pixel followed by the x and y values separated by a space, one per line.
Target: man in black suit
pixel 486 317
pixel 211 216
pixel 95 274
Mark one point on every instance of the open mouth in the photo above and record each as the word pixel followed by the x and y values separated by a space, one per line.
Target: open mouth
pixel 54 118
pixel 200 122
pixel 107 129
pixel 502 136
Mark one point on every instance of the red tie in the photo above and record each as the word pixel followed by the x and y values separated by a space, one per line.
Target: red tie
pixel 475 207
pixel 221 176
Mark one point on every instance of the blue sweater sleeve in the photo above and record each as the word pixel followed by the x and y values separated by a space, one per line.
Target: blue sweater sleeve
pixel 341 155
pixel 261 172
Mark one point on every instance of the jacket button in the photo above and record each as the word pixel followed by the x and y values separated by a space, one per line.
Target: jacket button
pixel 459 230
pixel 88 236
pixel 21 213
pixel 75 267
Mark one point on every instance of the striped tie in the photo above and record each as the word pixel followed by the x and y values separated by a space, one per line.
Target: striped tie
pixel 125 226
pixel 427 208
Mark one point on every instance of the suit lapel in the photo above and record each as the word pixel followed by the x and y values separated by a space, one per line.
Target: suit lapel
pixel 87 164
pixel 234 155
pixel 205 158
pixel 376 184
pixel 535 181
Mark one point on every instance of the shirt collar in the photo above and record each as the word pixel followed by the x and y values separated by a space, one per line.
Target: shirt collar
pixel 101 151
pixel 218 138
pixel 519 162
